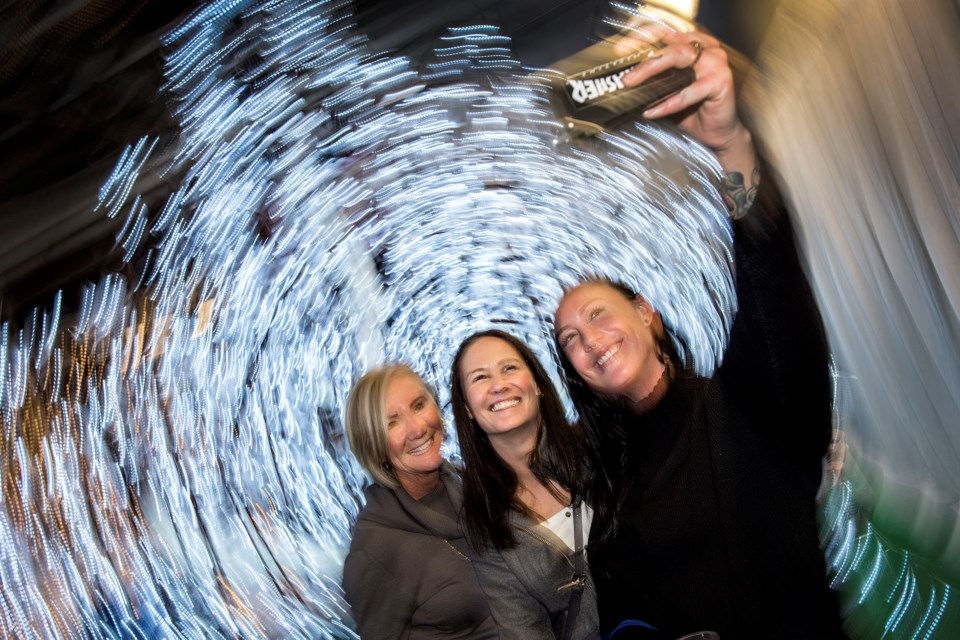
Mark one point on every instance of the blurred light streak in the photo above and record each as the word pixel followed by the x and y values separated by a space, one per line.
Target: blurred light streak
pixel 896 595
pixel 857 105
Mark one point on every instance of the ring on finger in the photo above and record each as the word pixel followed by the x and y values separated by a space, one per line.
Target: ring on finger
pixel 697 50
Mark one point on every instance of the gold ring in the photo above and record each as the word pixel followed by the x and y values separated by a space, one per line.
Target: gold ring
pixel 697 49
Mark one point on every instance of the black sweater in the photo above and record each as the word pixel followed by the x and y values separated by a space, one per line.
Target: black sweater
pixel 717 524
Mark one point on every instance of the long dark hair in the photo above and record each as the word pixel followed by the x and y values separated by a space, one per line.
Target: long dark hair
pixel 603 419
pixel 489 484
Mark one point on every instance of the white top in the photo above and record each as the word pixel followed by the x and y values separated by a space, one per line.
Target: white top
pixel 561 523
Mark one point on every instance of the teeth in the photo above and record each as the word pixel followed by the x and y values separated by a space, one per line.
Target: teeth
pixel 421 449
pixel 505 404
pixel 609 354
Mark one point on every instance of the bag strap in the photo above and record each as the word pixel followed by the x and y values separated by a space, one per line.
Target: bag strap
pixel 577 584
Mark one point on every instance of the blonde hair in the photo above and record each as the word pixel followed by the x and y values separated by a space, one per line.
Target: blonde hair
pixel 365 422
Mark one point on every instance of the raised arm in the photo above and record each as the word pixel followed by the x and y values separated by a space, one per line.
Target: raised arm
pixel 777 363
pixel 706 109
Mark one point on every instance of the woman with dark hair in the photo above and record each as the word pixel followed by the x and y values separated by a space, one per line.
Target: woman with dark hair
pixel 524 483
pixel 705 488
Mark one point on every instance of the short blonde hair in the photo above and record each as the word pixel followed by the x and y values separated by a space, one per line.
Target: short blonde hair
pixel 366 420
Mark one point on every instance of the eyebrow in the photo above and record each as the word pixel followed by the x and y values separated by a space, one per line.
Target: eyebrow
pixel 396 414
pixel 580 309
pixel 419 398
pixel 498 362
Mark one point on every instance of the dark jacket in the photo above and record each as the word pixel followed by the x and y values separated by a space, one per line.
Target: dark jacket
pixel 408 574
pixel 717 520
pixel 528 586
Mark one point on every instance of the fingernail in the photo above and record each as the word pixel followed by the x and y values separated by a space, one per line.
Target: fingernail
pixel 644 32
pixel 653 55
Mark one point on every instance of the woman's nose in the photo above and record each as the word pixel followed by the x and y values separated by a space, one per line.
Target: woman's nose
pixel 589 337
pixel 416 427
pixel 498 383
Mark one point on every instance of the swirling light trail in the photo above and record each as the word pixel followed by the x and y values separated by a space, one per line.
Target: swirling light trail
pixel 172 457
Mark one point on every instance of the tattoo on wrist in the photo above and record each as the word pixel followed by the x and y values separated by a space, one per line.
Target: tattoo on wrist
pixel 736 196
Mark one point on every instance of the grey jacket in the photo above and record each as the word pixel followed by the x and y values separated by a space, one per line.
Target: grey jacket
pixel 408 575
pixel 527 586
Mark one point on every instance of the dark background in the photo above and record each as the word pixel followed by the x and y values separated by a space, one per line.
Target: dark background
pixel 79 80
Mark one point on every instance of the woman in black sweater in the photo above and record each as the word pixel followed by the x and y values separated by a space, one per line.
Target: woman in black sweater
pixel 705 491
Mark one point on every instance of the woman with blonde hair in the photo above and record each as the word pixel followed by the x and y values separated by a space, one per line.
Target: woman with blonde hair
pixel 407 574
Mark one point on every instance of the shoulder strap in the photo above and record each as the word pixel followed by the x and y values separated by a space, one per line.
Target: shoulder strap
pixel 577 584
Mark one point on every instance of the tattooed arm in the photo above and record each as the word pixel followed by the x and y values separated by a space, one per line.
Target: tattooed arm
pixel 706 109
pixel 739 192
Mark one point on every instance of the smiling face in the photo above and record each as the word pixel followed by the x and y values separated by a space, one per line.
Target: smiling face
pixel 500 391
pixel 609 339
pixel 414 434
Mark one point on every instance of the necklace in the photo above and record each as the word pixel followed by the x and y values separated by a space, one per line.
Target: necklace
pixel 454 549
